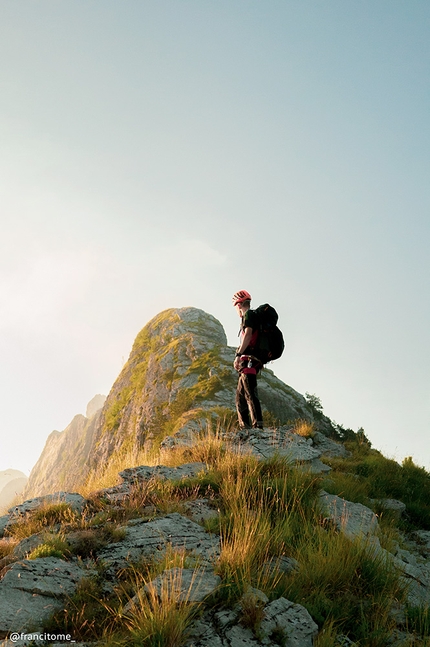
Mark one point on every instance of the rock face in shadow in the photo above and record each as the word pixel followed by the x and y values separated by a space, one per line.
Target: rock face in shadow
pixel 179 373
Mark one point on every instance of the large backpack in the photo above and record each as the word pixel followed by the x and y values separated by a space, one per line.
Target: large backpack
pixel 270 342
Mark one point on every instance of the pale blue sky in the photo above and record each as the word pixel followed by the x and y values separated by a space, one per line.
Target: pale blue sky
pixel 165 154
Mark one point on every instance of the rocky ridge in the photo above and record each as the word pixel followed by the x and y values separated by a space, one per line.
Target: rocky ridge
pixel 55 468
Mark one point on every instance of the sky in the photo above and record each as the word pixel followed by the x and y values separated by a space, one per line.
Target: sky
pixel 167 154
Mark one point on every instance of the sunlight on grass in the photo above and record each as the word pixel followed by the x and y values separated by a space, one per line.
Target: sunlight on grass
pixel 267 511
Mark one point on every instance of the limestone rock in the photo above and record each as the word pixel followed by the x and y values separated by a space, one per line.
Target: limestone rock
pixel 253 595
pixel 145 472
pixel 353 519
pixel 223 628
pixel 357 521
pixel 293 619
pixel 344 641
pixel 421 537
pixel 3 524
pixel 74 500
pixel 282 441
pixel 316 466
pixel 31 591
pixel 200 511
pixel 393 506
pixel 184 584
pixel 282 564
pixel 28 544
pixel 150 539
pixel 135 475
pixel 329 447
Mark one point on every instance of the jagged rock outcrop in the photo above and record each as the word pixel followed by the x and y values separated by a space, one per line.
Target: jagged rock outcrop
pixel 94 405
pixel 180 370
pixel 353 519
pixel 185 584
pixel 63 451
pixel 266 443
pixel 150 539
pixel 179 374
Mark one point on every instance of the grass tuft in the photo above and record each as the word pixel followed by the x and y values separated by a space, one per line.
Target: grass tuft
pixel 43 517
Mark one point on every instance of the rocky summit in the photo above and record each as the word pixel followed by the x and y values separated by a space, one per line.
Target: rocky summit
pixel 179 374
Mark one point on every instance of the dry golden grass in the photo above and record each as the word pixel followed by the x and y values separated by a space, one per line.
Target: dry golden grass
pixel 267 509
pixel 42 518
pixel 304 428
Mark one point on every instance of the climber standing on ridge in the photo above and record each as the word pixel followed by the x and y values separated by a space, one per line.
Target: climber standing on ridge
pixel 247 403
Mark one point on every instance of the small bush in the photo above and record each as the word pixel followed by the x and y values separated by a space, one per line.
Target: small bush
pixel 158 618
pixel 52 546
pixel 46 550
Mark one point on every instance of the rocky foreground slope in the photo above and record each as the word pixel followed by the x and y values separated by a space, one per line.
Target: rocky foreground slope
pixel 32 589
pixel 179 373
pixel 45 569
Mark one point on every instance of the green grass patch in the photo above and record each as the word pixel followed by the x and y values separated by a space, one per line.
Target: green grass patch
pixel 367 473
pixel 340 581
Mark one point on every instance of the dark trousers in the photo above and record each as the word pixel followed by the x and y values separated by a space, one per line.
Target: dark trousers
pixel 247 403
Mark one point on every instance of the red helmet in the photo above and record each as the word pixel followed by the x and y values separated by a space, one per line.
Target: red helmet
pixel 240 297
